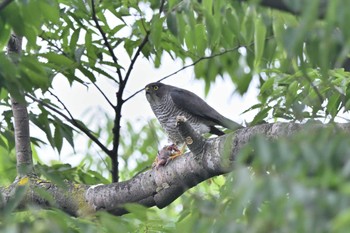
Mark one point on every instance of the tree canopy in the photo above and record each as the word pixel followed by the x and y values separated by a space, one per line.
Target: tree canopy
pixel 290 177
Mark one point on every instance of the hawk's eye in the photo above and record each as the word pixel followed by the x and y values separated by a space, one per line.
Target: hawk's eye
pixel 155 88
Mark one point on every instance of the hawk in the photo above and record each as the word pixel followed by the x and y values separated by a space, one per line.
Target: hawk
pixel 168 102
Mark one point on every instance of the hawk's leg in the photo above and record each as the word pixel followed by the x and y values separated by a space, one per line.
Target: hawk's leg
pixel 176 151
pixel 166 154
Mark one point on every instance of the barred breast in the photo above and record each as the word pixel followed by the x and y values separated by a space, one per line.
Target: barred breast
pixel 166 112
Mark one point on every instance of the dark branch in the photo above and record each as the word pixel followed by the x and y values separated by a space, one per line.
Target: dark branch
pixel 188 66
pixel 103 34
pixel 74 122
pixel 133 60
pixel 318 93
pixel 121 101
pixel 104 95
pixel 63 105
pixel 161 8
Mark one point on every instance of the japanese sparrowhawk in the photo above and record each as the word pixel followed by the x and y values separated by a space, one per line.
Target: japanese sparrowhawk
pixel 168 102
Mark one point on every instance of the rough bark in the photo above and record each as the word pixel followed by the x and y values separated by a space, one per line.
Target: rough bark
pixel 156 187
pixel 21 119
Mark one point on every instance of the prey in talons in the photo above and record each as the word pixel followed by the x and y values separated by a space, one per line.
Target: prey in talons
pixel 166 154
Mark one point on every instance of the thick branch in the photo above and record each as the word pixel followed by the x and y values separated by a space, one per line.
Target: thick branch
pixel 21 119
pixel 156 187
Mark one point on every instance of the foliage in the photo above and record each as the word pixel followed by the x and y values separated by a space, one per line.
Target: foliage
pixel 295 184
pixel 299 61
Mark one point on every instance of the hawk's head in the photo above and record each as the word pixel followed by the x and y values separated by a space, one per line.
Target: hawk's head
pixel 155 92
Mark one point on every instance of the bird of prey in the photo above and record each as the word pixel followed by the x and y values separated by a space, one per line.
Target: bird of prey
pixel 168 102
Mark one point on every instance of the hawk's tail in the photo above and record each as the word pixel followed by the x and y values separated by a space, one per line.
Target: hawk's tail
pixel 227 123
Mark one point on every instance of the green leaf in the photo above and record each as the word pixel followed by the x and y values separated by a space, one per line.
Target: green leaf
pixel 50 10
pixel 333 104
pixel 87 73
pixel 10 138
pixel 172 23
pixel 156 31
pixel 268 85
pixel 189 38
pixel 139 211
pixel 33 71
pixel 67 133
pixel 208 5
pixel 259 41
pixel 201 43
pixel 58 59
pixel 74 39
pixel 90 49
pixel 233 23
pixel 58 140
pixel 3 143
pixel 5 34
pixel 213 30
pixel 261 116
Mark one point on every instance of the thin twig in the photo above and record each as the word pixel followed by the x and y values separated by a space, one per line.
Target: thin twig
pixel 97 87
pixel 319 95
pixel 104 95
pixel 99 155
pixel 103 34
pixel 63 105
pixel 74 122
pixel 54 45
pixel 187 66
pixel 161 6
pixel 199 60
pixel 195 62
pixel 133 60
pixel 141 46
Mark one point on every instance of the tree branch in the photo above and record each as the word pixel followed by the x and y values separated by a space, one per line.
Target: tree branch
pixel 121 101
pixel 157 187
pixel 74 122
pixel 103 94
pixel 103 34
pixel 21 118
pixel 190 65
pixel 136 55
pixel 63 105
